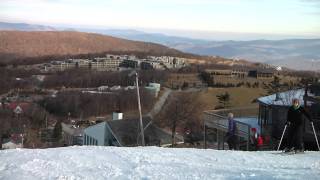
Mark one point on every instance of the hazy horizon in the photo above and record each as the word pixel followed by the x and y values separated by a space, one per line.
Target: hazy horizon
pixel 196 35
pixel 198 19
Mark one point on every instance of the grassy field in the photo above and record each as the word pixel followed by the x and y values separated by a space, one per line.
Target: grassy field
pixel 239 96
pixel 177 80
pixel 206 100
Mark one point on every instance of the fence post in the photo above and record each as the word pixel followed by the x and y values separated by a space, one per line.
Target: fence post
pixel 205 136
pixel 222 140
pixel 248 141
pixel 218 142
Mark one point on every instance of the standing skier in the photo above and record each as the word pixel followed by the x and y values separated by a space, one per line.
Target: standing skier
pixel 231 134
pixel 295 123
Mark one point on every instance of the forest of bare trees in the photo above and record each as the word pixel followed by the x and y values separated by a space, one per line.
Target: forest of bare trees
pixel 85 78
pixel 182 112
pixel 9 79
pixel 84 104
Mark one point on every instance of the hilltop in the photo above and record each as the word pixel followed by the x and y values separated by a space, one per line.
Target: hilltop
pixel 25 44
pixel 21 47
pixel 94 162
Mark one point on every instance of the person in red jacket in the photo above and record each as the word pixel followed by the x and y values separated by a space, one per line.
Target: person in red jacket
pixel 260 141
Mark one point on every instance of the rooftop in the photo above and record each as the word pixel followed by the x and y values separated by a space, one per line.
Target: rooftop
pixel 127 131
pixel 285 98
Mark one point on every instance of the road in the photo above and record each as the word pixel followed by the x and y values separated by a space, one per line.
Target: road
pixel 160 103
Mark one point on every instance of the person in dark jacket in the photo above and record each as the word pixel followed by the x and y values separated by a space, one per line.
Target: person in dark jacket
pixel 231 134
pixel 295 122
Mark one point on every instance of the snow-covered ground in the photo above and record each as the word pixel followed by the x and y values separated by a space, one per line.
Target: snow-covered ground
pixel 154 163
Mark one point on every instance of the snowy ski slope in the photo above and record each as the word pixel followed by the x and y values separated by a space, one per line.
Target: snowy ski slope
pixel 92 162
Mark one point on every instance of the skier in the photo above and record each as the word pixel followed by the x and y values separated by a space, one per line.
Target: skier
pixel 295 123
pixel 231 134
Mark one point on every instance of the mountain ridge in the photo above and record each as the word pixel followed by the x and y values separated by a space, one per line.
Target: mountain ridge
pixel 25 44
pixel 294 53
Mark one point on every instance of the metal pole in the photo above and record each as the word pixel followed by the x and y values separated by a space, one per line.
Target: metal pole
pixel 285 127
pixel 249 137
pixel 140 114
pixel 22 139
pixel 315 135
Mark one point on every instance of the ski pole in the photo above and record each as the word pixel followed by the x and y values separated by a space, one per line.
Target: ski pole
pixel 284 130
pixel 315 135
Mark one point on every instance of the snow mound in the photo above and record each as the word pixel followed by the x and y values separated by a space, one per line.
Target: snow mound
pixel 93 162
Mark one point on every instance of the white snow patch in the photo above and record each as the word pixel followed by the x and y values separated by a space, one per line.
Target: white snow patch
pixel 93 162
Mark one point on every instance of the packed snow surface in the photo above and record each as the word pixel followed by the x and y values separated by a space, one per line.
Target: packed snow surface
pixel 93 162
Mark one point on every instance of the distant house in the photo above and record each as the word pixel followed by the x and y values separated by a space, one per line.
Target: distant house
pixel 240 73
pixel 131 63
pixel 153 88
pixel 219 72
pixel 261 74
pixel 19 108
pixel 223 76
pixel 146 65
pixel 125 133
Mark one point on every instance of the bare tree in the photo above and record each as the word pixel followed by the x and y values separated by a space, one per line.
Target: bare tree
pixel 182 111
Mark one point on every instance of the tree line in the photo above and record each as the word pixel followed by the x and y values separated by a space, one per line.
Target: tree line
pixel 84 105
pixel 82 78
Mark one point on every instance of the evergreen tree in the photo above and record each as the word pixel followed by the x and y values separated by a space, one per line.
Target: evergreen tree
pixel 224 99
pixel 274 86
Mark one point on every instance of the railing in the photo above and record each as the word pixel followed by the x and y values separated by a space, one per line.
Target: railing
pixel 218 119
pixel 250 111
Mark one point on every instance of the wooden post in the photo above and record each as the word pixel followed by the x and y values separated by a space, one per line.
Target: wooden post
pixel 205 136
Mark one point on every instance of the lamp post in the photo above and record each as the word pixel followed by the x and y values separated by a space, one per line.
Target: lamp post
pixel 139 106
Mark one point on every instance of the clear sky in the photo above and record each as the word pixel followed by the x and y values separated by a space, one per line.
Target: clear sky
pixel 287 17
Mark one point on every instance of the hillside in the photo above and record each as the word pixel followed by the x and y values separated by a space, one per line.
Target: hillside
pixel 299 54
pixel 22 44
pixel 154 163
